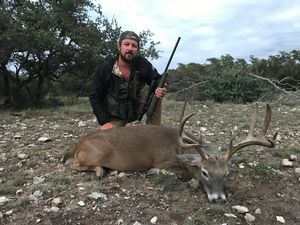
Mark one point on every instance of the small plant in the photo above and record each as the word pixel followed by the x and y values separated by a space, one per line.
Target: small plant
pixel 196 218
pixel 19 205
pixel 11 186
pixel 32 151
pixel 18 181
pixel 205 216
pixel 285 153
pixel 7 188
pixel 264 173
pixel 166 180
pixel 61 180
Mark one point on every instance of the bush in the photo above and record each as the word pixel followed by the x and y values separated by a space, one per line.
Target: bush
pixel 234 88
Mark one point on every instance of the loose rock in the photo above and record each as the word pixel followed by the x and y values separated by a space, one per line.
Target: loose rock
pixel 249 218
pixel 3 199
pixel 22 156
pixel 280 219
pixel 240 209
pixel 97 195
pixel 37 194
pixel 44 138
pixel 136 223
pixel 37 180
pixel 286 163
pixel 230 215
pixel 153 220
pixel 293 157
pixel 81 203
pixel 19 192
pixel 18 136
pixel 57 201
pixel 54 209
pixel 81 124
pixel 8 213
pixel 257 211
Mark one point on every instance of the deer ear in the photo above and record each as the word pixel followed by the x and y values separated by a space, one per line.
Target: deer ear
pixel 190 159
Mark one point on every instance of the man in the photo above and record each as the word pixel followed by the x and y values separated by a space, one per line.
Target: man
pixel 116 96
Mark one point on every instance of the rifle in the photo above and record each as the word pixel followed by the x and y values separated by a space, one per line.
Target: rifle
pixel 152 100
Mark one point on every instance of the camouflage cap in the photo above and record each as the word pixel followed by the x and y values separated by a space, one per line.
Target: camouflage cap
pixel 129 34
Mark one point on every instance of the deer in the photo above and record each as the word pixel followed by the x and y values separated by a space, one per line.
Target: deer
pixel 143 147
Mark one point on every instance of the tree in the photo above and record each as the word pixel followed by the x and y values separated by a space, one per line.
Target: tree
pixel 281 71
pixel 48 41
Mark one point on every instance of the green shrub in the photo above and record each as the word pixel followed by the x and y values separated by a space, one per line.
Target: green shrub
pixel 264 173
pixel 230 87
pixel 168 181
pixel 286 152
pixel 205 216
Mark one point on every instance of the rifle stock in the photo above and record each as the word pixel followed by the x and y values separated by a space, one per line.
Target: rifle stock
pixel 153 100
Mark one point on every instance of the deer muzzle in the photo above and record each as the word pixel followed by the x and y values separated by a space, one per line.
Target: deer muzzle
pixel 215 191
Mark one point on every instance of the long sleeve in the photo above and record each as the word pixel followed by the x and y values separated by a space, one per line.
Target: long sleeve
pixel 98 94
pixel 149 72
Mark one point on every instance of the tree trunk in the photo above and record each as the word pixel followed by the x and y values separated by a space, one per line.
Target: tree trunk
pixel 39 89
pixel 5 74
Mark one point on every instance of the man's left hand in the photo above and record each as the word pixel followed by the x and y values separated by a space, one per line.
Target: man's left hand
pixel 160 92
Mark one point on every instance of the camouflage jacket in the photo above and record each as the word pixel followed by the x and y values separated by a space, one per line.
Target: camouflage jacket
pixel 112 95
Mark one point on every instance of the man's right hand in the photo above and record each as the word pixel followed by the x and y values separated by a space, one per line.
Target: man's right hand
pixel 106 126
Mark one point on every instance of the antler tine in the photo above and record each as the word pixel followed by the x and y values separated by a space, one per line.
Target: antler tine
pixel 182 144
pixel 267 120
pixel 182 111
pixel 260 140
pixel 253 122
pixel 180 139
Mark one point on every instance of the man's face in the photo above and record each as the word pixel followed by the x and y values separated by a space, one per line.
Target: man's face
pixel 128 49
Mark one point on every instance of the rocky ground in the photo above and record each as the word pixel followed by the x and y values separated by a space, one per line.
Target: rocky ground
pixel 36 188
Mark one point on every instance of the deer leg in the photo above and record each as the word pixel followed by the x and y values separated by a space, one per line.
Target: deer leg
pixel 99 172
pixel 81 168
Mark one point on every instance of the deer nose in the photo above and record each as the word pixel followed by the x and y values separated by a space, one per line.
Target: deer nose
pixel 217 197
pixel 220 200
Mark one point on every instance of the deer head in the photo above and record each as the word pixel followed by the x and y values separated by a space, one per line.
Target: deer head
pixel 210 166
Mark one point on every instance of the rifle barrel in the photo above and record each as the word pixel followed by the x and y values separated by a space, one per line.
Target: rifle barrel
pixel 154 100
pixel 172 54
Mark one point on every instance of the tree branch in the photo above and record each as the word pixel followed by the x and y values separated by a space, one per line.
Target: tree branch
pixel 274 84
pixel 193 85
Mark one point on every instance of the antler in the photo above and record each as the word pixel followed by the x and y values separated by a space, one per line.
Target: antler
pixel 260 139
pixel 192 143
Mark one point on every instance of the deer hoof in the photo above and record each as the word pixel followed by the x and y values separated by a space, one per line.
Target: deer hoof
pixel 98 178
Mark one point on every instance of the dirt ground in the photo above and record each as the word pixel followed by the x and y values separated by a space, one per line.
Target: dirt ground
pixel 36 188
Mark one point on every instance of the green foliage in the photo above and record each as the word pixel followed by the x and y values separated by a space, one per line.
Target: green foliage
pixel 7 188
pixel 283 69
pixel 231 87
pixel 205 216
pixel 286 152
pixel 52 48
pixel 19 204
pixel 61 180
pixel 166 180
pixel 264 173
pixel 229 80
pixel 11 186
pixel 50 42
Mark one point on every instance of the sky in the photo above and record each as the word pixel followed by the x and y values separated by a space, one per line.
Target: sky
pixel 210 28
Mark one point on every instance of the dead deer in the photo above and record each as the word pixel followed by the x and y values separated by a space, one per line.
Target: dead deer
pixel 142 147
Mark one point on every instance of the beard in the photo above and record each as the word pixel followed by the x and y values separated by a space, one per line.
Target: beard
pixel 128 57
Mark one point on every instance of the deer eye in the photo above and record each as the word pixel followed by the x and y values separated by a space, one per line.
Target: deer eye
pixel 204 173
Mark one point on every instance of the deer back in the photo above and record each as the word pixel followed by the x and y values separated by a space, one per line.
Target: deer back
pixel 132 148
